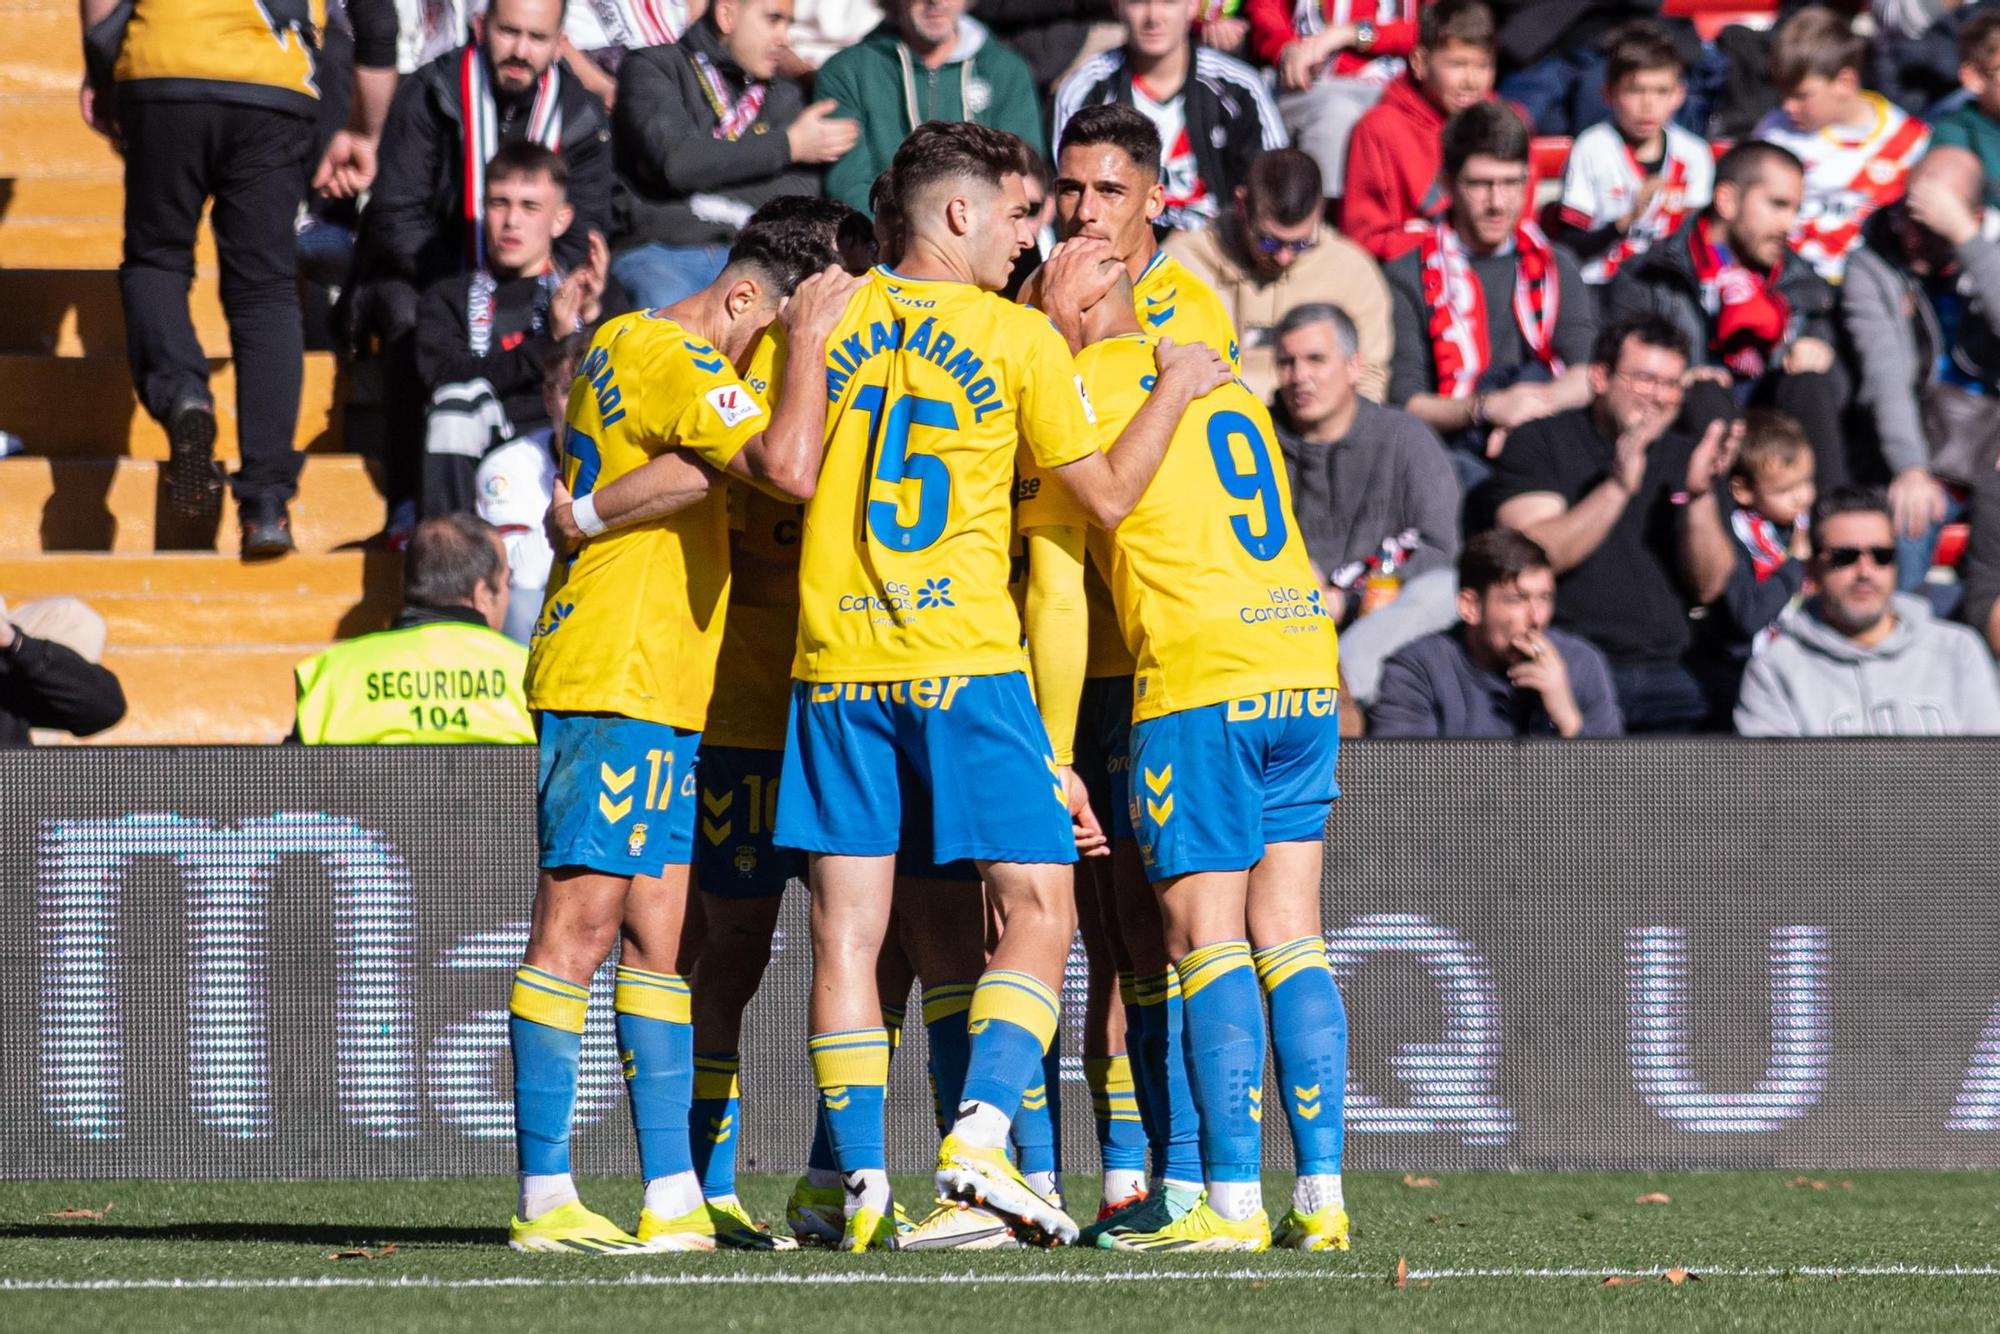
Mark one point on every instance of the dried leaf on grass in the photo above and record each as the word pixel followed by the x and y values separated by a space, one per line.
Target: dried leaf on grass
pixel 1655 1197
pixel 1673 1276
pixel 1417 1182
pixel 1807 1183
pixel 363 1253
pixel 1402 1279
pixel 1622 1280
pixel 81 1213
pixel 1680 1276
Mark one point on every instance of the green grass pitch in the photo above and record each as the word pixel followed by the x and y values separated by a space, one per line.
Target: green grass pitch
pixel 1767 1251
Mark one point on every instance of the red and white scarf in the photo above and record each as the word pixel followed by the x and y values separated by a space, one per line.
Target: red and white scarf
pixel 733 115
pixel 1457 304
pixel 1748 317
pixel 1769 545
pixel 481 121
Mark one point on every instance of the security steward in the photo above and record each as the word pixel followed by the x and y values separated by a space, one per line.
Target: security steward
pixel 443 673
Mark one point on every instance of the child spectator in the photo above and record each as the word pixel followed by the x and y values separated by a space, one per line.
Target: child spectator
pixel 1975 126
pixel 1633 179
pixel 1396 149
pixel 1334 59
pixel 1857 146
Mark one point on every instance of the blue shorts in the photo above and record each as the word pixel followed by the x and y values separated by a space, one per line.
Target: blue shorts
pixel 734 855
pixel 858 758
pixel 616 794
pixel 1104 750
pixel 1212 786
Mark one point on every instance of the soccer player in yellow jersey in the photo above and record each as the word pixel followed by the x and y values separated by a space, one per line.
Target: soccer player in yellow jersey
pixel 619 672
pixel 1233 743
pixel 910 680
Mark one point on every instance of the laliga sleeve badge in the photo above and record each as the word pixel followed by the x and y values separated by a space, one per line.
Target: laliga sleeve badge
pixel 733 403
pixel 636 845
pixel 1089 413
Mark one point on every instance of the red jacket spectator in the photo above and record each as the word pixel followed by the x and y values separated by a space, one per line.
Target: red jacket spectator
pixel 1274 23
pixel 1392 171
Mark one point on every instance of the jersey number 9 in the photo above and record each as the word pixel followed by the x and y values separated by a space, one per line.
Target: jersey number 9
pixel 1227 433
pixel 889 434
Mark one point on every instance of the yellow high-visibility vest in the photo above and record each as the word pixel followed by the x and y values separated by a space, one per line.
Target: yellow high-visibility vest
pixel 440 683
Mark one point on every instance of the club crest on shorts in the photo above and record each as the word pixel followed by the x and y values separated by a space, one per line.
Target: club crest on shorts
pixel 635 844
pixel 746 862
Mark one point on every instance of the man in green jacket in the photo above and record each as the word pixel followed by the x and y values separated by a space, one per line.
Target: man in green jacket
pixel 926 61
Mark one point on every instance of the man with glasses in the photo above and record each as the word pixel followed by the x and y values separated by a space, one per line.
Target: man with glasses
pixel 1493 324
pixel 1858 658
pixel 1271 252
pixel 1599 488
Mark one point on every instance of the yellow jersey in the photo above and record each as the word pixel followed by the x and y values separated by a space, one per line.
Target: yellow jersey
pixel 931 385
pixel 237 51
pixel 633 624
pixel 1173 303
pixel 1042 501
pixel 1214 591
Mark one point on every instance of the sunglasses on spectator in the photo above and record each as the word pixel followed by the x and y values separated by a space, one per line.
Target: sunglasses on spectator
pixel 1842 557
pixel 1273 245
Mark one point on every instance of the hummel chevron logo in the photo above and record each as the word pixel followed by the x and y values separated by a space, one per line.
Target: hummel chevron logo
pixel 713 832
pixel 1158 781
pixel 717 804
pixel 614 781
pixel 613 811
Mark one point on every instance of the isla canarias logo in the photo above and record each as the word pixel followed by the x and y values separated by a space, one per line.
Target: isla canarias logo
pixel 934 593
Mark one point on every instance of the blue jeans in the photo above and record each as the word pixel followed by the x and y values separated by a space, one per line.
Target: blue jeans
pixel 1562 93
pixel 655 275
pixel 1659 697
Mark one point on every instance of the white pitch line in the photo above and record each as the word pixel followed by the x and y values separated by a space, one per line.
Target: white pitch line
pixel 740 1279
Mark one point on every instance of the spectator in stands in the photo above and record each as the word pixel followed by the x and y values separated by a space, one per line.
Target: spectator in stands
pixel 1553 52
pixel 423 221
pixel 1635 178
pixel 1396 150
pixel 598 35
pixel 215 104
pixel 1913 60
pixel 707 130
pixel 1857 147
pixel 50 675
pixel 1594 487
pixel 1212 111
pixel 1053 36
pixel 821 29
pixel 1374 493
pixel 484 338
pixel 443 672
pixel 1979 566
pixel 1759 320
pixel 1504 671
pixel 515 484
pixel 1334 60
pixel 1975 126
pixel 926 61
pixel 1493 325
pixel 1858 658
pixel 1273 252
pixel 1921 303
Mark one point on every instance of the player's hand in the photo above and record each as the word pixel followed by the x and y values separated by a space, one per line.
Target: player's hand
pixel 1298 62
pixel 593 275
pixel 95 115
pixel 566 305
pixel 1520 404
pixel 1543 671
pixel 1196 367
pixel 816 137
pixel 1090 837
pixel 1711 374
pixel 1809 356
pixel 1076 276
pixel 348 167
pixel 1628 459
pixel 1644 200
pixel 817 306
pixel 560 525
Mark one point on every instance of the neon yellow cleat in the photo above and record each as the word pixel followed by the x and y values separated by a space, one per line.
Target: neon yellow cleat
pixel 817 1214
pixel 959 1227
pixel 1322 1231
pixel 968 1174
pixel 736 1230
pixel 1202 1229
pixel 869 1230
pixel 692 1231
pixel 572 1229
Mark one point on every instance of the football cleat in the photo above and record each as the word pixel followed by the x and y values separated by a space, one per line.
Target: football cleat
pixel 869 1230
pixel 961 1227
pixel 691 1231
pixel 817 1214
pixel 572 1229
pixel 1165 1205
pixel 1322 1231
pixel 1201 1229
pixel 736 1230
pixel 1109 1209
pixel 969 1174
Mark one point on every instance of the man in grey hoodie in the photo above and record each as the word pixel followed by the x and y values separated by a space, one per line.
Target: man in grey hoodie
pixel 1859 659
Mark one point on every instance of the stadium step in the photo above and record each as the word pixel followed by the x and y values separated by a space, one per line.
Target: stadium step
pixel 44 42
pixel 213 696
pixel 77 313
pixel 118 506
pixel 84 407
pixel 43 134
pixel 84 243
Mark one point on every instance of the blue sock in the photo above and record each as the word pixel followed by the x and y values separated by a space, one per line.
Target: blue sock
pixel 1177 1151
pixel 545 1031
pixel 1034 1129
pixel 945 1008
pixel 1121 1137
pixel 819 1158
pixel 1225 1042
pixel 656 1043
pixel 713 1129
pixel 851 1072
pixel 1309 1035
pixel 1135 1052
pixel 1012 1021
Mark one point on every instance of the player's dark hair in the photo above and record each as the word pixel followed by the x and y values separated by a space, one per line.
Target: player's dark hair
pixel 954 150
pixel 888 213
pixel 1499 556
pixel 1744 165
pixel 1122 127
pixel 1814 41
pixel 1467 21
pixel 784 254
pixel 449 557
pixel 1979 39
pixel 1283 184
pixel 1648 330
pixel 524 158
pixel 1770 439
pixel 1638 47
pixel 1484 129
pixel 1847 500
pixel 847 229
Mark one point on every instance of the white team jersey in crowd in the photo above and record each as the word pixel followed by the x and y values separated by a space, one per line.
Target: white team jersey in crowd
pixel 429 28
pixel 514 486
pixel 1851 170
pixel 1187 193
pixel 1603 179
